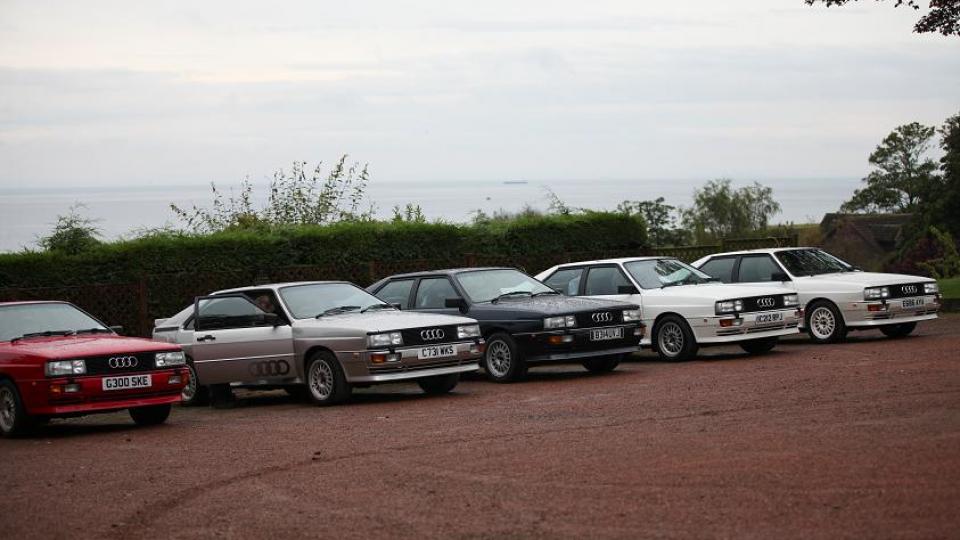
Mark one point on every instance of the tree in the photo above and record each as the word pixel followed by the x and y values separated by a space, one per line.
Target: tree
pixel 719 211
pixel 943 17
pixel 661 220
pixel 945 209
pixel 904 177
pixel 72 234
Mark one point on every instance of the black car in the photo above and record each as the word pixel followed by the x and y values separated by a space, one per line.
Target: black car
pixel 524 321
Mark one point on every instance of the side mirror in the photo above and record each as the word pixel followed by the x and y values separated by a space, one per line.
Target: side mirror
pixel 397 305
pixel 627 289
pixel 779 276
pixel 458 303
pixel 117 329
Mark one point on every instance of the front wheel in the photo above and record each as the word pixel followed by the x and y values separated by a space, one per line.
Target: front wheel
pixel 502 360
pixel 439 384
pixel 14 419
pixel 759 346
pixel 898 330
pixel 326 383
pixel 825 324
pixel 674 340
pixel 193 393
pixel 602 364
pixel 150 416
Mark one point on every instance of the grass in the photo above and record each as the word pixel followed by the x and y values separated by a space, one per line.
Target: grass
pixel 950 288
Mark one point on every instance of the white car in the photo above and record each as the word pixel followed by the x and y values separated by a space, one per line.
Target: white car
pixel 682 307
pixel 836 295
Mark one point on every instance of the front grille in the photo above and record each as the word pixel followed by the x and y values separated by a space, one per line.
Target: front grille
pixel 402 368
pixel 905 290
pixel 100 365
pixel 762 303
pixel 412 336
pixel 607 318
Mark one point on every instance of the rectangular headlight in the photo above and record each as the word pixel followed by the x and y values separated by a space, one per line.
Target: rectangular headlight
pixel 875 293
pixel 60 368
pixel 791 300
pixel 931 288
pixel 630 315
pixel 728 306
pixel 385 340
pixel 565 321
pixel 468 331
pixel 167 359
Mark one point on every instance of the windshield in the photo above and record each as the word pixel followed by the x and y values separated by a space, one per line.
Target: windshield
pixel 658 273
pixel 489 285
pixel 312 300
pixel 810 262
pixel 25 319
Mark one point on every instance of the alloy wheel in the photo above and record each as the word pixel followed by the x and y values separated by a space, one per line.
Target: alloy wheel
pixel 8 409
pixel 498 358
pixel 320 380
pixel 822 322
pixel 670 338
pixel 189 391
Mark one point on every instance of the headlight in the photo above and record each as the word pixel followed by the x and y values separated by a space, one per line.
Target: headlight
pixel 566 321
pixel 385 340
pixel 729 306
pixel 931 288
pixel 630 315
pixel 167 359
pixel 875 293
pixel 60 368
pixel 791 300
pixel 468 331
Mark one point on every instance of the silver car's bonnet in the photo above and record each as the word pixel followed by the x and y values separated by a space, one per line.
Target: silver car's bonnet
pixel 381 321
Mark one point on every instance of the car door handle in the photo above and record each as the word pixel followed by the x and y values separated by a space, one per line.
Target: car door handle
pixel 207 337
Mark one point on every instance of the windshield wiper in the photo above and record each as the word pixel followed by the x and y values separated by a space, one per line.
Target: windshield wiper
pixel 94 331
pixel 338 309
pixel 511 293
pixel 376 306
pixel 541 293
pixel 46 333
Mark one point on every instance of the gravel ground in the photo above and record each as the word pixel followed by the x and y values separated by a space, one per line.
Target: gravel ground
pixel 854 440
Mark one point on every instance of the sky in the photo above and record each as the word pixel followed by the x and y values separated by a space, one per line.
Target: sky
pixel 99 93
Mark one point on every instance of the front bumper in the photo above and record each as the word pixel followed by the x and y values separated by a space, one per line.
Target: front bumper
pixel 893 311
pixel 744 326
pixel 404 363
pixel 48 397
pixel 576 343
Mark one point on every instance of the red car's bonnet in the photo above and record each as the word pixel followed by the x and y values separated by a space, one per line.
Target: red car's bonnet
pixel 63 347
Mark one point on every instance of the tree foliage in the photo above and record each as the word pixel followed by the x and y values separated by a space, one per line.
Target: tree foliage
pixel 662 221
pixel 72 234
pixel 720 211
pixel 904 176
pixel 943 16
pixel 946 210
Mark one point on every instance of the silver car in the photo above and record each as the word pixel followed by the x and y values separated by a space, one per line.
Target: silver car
pixel 316 340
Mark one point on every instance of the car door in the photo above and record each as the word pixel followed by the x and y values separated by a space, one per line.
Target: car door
pixel 760 270
pixel 235 341
pixel 608 281
pixel 432 293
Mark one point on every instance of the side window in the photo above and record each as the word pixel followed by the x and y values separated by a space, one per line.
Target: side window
pixel 757 268
pixel 396 292
pixel 603 280
pixel 720 268
pixel 267 302
pixel 433 293
pixel 230 312
pixel 566 280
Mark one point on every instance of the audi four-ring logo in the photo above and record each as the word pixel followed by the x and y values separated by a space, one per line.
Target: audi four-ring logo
pixel 605 316
pixel 767 302
pixel 432 334
pixel 117 362
pixel 269 368
pixel 909 289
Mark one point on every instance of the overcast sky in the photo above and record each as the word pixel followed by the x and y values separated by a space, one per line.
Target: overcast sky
pixel 121 93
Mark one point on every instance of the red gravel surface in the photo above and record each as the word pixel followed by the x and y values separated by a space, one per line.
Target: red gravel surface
pixel 858 440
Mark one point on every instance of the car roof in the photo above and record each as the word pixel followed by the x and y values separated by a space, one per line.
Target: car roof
pixel 446 271
pixel 30 302
pixel 275 286
pixel 758 250
pixel 617 260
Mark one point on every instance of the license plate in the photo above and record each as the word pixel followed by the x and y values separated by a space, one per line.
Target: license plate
pixel 912 302
pixel 769 317
pixel 436 351
pixel 128 382
pixel 603 334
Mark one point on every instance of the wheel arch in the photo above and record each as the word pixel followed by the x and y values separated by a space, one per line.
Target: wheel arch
pixel 820 299
pixel 314 349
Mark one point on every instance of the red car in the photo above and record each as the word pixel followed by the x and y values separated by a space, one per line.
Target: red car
pixel 58 361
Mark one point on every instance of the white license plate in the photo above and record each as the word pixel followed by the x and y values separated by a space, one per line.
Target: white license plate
pixel 769 318
pixel 436 351
pixel 603 334
pixel 127 382
pixel 912 302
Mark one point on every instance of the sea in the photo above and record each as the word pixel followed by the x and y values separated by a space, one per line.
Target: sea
pixel 27 214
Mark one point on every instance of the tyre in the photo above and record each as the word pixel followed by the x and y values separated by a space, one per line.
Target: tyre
pixel 824 323
pixel 326 383
pixel 502 360
pixel 674 340
pixel 14 419
pixel 440 384
pixel 759 346
pixel 150 416
pixel 602 364
pixel 193 393
pixel 898 330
